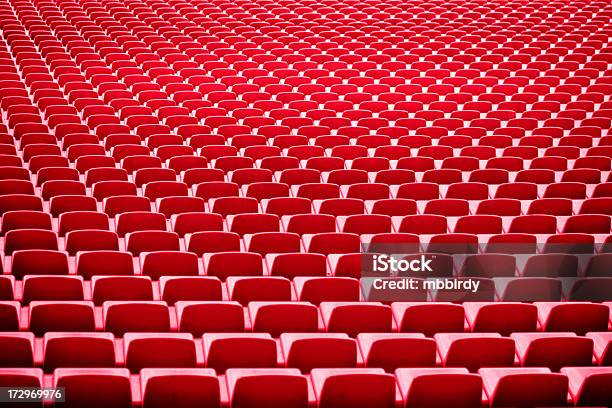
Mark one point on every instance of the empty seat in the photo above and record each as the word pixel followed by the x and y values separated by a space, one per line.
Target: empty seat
pixel 318 350
pixel 272 387
pixel 553 350
pixel 346 387
pixel 332 243
pixel 394 350
pixel 421 387
pixel 178 205
pixel 365 224
pixel 189 288
pixel 475 350
pixel 551 265
pixel 165 350
pixel 283 317
pixel 12 220
pixel 168 263
pixel 120 288
pixel 190 222
pixel 19 350
pixel 504 318
pixel 212 241
pixel 202 317
pixel 290 265
pixel 82 386
pixel 82 220
pixel 517 387
pixel 320 289
pixel 253 223
pixel 224 264
pixel 258 288
pixel 429 318
pixel 16 240
pixel 152 241
pixel 89 264
pixel 78 350
pixel 39 262
pixel 61 316
pixel 577 317
pixel 122 317
pixel 354 318
pixel 40 287
pixel 139 221
pixel 239 350
pixel 587 385
pixel 310 223
pixel 179 387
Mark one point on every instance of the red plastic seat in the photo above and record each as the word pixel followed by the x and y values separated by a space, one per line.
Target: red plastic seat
pixel 20 239
pixel 78 350
pixel 82 385
pixel 369 387
pixel 524 387
pixel 577 317
pixel 167 350
pixel 25 219
pixel 429 318
pixel 81 220
pixel 239 350
pixel 587 385
pixel 380 350
pixel 39 262
pixel 52 288
pixel 19 349
pixel 253 223
pixel 474 351
pixel 276 317
pixel 134 316
pixel 61 316
pixel 106 288
pixel 354 318
pixel 420 387
pixel 159 387
pixel 503 318
pixel 129 222
pixel 258 288
pixel 224 264
pixel 330 243
pixel 553 350
pixel 272 387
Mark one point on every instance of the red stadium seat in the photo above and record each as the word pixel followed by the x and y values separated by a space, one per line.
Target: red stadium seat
pixel 159 385
pixel 273 387
pixel 524 387
pixel 159 350
pixel 553 350
pixel 370 387
pixel 343 317
pixel 78 350
pixel 187 191
pixel 134 316
pixel 475 350
pixel 239 350
pixel 421 387
pixel 82 385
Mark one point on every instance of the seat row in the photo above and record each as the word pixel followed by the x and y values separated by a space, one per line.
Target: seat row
pixel 290 215
pixel 278 317
pixel 323 387
pixel 305 351
pixel 309 288
pixel 266 254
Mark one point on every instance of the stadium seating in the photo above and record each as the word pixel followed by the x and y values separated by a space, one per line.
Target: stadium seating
pixel 188 187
